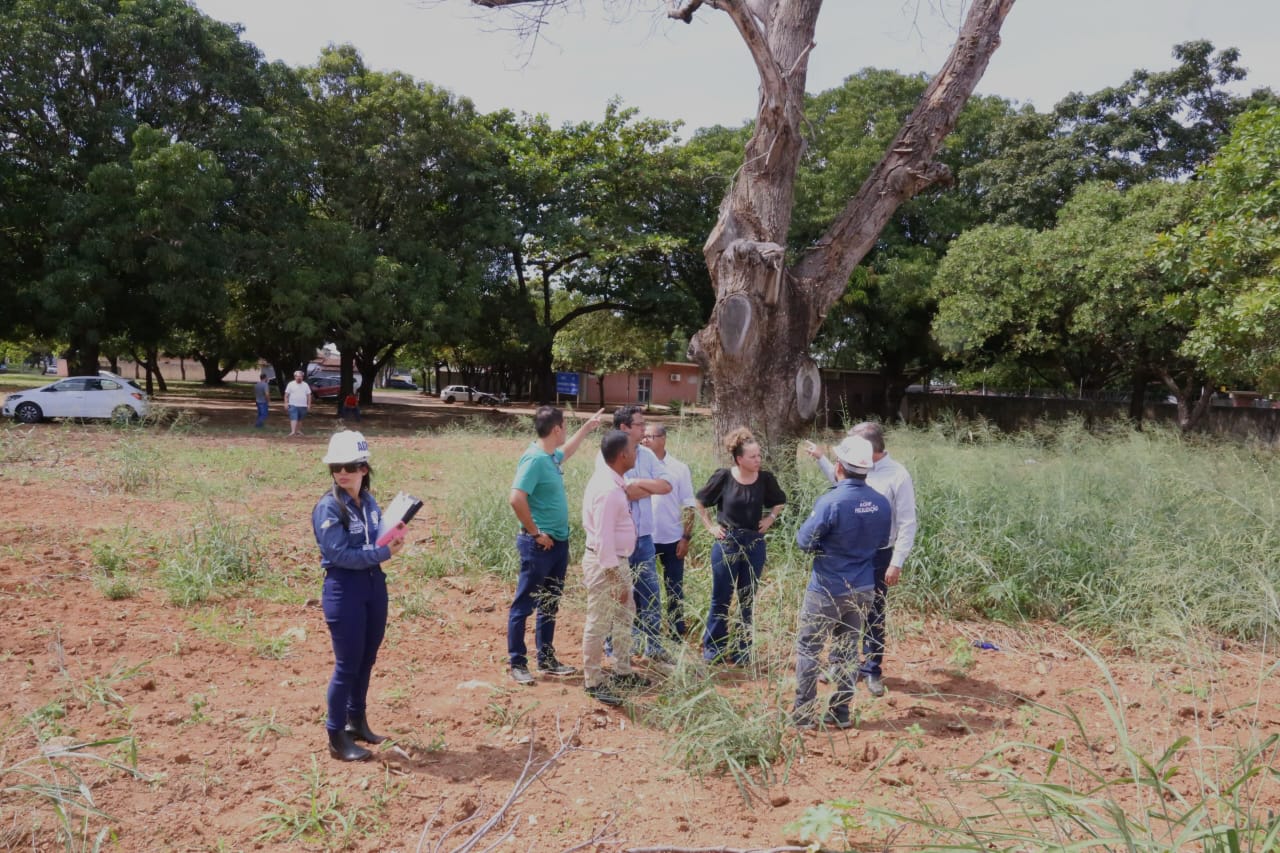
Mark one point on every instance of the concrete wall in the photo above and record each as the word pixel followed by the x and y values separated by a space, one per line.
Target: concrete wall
pixel 668 382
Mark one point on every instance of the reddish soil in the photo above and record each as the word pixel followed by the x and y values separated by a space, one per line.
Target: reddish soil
pixel 463 729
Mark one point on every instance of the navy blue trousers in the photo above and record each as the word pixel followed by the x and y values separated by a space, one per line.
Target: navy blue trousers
pixel 539 588
pixel 355 608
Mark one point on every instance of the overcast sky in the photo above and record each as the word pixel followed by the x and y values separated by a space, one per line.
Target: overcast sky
pixel 701 72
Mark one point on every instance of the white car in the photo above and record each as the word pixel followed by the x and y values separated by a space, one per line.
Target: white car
pixel 466 393
pixel 103 396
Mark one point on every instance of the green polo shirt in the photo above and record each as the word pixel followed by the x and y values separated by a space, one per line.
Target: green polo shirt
pixel 538 475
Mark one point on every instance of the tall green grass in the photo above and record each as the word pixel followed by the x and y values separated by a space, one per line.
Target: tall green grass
pixel 1140 535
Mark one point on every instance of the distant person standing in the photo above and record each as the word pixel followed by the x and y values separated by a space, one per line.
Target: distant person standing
pixel 673 517
pixel 350 407
pixel 739 495
pixel 297 399
pixel 262 397
pixel 890 479
pixel 538 499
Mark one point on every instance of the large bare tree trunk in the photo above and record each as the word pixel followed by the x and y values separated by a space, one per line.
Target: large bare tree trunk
pixel 755 348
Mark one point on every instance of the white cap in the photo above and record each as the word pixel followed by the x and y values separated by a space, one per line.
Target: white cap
pixel 347 446
pixel 856 453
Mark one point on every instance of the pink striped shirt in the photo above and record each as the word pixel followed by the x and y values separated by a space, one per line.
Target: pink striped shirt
pixel 606 517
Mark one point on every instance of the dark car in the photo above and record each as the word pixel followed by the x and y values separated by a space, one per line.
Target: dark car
pixel 400 382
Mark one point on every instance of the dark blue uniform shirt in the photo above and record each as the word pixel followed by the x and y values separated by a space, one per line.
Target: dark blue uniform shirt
pixel 352 547
pixel 849 523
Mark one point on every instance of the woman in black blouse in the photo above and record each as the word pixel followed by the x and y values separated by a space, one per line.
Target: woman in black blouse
pixel 740 495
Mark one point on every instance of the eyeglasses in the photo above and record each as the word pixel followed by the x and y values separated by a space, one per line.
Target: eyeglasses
pixel 650 437
pixel 349 467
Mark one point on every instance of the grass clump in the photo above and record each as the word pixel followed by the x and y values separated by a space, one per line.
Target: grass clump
pixel 713 732
pixel 114 570
pixel 217 556
pixel 53 790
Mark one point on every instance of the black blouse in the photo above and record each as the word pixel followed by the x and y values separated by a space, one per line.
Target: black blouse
pixel 740 507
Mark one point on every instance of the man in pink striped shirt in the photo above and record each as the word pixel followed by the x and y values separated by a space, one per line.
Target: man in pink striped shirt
pixel 611 537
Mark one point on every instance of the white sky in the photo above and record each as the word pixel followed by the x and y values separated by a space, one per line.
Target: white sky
pixel 701 72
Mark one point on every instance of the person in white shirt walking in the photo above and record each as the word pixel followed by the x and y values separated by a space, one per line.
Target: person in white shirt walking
pixel 673 517
pixel 890 479
pixel 297 399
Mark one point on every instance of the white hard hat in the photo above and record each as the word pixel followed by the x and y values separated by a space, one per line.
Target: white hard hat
pixel 347 446
pixel 856 452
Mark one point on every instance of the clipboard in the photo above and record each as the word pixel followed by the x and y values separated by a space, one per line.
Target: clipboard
pixel 396 517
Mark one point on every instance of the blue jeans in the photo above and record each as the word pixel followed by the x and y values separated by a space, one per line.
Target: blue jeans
pixel 873 639
pixel 842 617
pixel 644 577
pixel 737 561
pixel 263 408
pixel 539 587
pixel 355 609
pixel 673 586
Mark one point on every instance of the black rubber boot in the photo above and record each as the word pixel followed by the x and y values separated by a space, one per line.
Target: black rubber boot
pixel 343 748
pixel 358 728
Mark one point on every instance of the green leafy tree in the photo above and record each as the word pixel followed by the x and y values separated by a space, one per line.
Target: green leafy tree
pixel 1083 304
pixel 594 211
pixel 1155 125
pixel 1224 262
pixel 607 342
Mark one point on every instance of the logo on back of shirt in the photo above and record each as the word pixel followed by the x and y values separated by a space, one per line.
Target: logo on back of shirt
pixel 864 507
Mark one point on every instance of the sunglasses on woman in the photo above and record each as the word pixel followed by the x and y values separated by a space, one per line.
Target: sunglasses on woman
pixel 349 467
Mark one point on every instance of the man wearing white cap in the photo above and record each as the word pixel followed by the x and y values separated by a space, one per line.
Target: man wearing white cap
pixel 849 523
pixel 890 479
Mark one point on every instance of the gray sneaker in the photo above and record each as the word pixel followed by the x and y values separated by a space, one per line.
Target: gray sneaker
pixel 522 675
pixel 875 686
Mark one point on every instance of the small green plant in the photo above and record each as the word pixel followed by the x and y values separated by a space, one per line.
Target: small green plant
pixel 819 823
pixel 503 713
pixel 260 729
pixel 133 465
pixel 315 815
pixel 962 658
pixel 113 571
pixel 46 721
pixel 198 703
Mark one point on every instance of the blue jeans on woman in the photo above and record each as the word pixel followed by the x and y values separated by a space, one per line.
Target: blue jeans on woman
pixel 737 561
pixel 355 609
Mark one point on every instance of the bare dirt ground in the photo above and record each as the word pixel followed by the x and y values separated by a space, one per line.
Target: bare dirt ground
pixel 227 737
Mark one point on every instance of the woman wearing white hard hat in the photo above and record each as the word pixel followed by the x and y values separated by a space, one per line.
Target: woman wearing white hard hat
pixel 345 522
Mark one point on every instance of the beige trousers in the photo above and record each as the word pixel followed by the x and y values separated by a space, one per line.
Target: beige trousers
pixel 611 610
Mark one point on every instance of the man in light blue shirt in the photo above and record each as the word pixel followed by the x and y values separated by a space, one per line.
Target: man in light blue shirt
pixel 648 478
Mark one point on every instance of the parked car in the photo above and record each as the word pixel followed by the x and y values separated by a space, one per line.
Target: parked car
pixel 103 396
pixel 467 394
pixel 324 386
pixel 401 382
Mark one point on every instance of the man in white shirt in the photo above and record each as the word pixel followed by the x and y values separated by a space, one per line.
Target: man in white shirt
pixel 297 399
pixel 891 480
pixel 673 517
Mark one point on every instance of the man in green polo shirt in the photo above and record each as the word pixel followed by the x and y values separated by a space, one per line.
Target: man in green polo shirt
pixel 542 508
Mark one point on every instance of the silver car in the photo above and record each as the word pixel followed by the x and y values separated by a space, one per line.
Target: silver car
pixel 103 396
